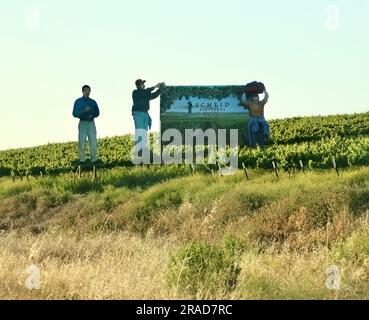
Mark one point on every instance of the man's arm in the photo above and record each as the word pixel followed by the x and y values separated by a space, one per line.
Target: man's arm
pixel 151 89
pixel 245 103
pixel 76 110
pixel 155 94
pixel 266 98
pixel 96 112
pixel 147 93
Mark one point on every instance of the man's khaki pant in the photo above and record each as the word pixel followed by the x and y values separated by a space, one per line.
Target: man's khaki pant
pixel 87 129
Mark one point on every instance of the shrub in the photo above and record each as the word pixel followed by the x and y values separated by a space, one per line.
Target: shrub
pixel 356 247
pixel 201 269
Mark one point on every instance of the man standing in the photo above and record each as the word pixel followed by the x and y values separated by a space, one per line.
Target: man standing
pixel 141 105
pixel 86 109
pixel 257 119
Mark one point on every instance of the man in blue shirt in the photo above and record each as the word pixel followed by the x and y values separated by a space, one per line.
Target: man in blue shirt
pixel 86 109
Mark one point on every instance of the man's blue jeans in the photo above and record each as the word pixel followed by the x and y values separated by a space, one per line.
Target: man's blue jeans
pixel 143 123
pixel 254 127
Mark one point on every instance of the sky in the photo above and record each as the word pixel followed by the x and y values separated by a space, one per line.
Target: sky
pixel 311 55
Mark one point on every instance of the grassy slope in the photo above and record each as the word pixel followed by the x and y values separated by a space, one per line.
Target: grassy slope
pixel 115 238
pixel 310 139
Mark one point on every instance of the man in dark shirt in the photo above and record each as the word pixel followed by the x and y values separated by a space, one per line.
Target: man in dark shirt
pixel 141 105
pixel 86 109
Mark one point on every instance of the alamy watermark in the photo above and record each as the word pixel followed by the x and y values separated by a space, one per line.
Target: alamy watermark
pixel 33 281
pixel 333 281
pixel 33 18
pixel 221 148
pixel 333 17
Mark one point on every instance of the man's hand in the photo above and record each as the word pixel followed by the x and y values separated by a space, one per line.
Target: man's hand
pixel 160 85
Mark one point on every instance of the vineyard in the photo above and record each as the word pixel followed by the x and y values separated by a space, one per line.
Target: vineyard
pixel 308 129
pixel 312 140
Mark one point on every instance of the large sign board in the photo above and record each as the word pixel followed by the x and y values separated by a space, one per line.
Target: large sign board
pixel 204 107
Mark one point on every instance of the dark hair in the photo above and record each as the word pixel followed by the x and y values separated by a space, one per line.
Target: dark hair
pixel 85 87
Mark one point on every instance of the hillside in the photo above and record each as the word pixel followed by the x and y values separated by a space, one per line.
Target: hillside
pixel 313 140
pixel 164 232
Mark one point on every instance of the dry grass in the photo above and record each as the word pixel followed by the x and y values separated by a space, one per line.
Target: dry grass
pixel 114 242
pixel 102 266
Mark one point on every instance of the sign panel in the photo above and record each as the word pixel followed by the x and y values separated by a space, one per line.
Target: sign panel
pixel 204 107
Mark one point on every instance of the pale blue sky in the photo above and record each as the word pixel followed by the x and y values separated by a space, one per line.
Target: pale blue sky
pixel 309 69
